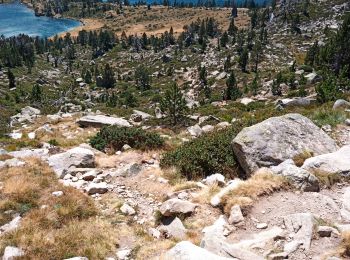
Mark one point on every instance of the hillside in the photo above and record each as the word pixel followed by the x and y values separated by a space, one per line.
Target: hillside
pixel 158 132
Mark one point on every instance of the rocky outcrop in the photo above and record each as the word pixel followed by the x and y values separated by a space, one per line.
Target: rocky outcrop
pixel 277 139
pixel 331 163
pixel 73 158
pixel 300 178
pixel 102 120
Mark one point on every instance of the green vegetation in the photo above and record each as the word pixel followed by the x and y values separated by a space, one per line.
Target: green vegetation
pixel 115 138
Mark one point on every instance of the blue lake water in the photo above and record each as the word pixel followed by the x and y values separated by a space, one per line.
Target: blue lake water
pixel 16 18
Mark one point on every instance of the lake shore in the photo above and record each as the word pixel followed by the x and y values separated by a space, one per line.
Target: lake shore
pixel 88 24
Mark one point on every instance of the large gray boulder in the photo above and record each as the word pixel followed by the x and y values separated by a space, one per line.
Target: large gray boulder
pixel 175 207
pixel 102 120
pixel 300 178
pixel 185 250
pixel 277 139
pixel 73 158
pixel 331 163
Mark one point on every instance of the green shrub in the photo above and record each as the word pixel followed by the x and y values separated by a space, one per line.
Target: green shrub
pixel 206 155
pixel 115 137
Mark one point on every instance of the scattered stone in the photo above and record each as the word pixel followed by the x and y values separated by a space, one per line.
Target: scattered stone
pixel 341 104
pixel 236 215
pixel 187 250
pixel 57 193
pixel 216 199
pixel 12 225
pixel 12 253
pixel 214 179
pixel 195 130
pixel 124 254
pixel 278 256
pixel 77 258
pixel 154 233
pixel 174 207
pixel 269 142
pixel 126 209
pixel 126 147
pixel 173 228
pixel 261 226
pixel 246 101
pixel 14 162
pixel 99 188
pixel 326 231
pixel 301 226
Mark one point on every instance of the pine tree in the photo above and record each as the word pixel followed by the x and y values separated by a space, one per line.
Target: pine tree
pixel 11 78
pixel 174 104
pixel 36 95
pixel 232 91
pixel 256 54
pixel 243 59
pixel 224 39
pixel 108 80
pixel 142 78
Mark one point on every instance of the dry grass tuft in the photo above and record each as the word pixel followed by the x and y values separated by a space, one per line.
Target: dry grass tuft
pixel 345 244
pixel 206 194
pixel 185 186
pixel 52 227
pixel 262 183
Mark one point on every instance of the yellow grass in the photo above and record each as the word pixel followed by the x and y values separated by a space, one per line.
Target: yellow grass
pixel 52 227
pixel 261 183
pixel 345 244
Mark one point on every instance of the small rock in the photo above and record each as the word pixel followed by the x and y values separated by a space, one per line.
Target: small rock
pixel 261 226
pixel 11 253
pixel 126 147
pixel 215 179
pixel 236 215
pixel 57 193
pixel 326 231
pixel 127 209
pixel 124 254
pixel 94 188
pixel 174 207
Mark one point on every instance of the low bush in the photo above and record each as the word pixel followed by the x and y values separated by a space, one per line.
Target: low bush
pixel 115 137
pixel 204 156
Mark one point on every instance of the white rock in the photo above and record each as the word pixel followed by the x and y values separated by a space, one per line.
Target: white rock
pixel 57 193
pixel 216 199
pixel 12 225
pixel 101 120
pixel 124 254
pixel 127 209
pixel 11 253
pixel 187 251
pixel 213 179
pixel 236 215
